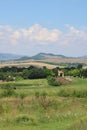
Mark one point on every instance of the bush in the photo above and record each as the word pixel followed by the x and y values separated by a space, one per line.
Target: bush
pixel 52 81
pixel 22 95
pixel 8 90
pixel 42 99
pixel 19 78
pixel 22 118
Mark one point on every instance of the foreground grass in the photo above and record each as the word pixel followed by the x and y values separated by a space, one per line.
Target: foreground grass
pixel 79 125
pixel 38 106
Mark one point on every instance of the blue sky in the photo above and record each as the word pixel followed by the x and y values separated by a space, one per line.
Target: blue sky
pixel 28 27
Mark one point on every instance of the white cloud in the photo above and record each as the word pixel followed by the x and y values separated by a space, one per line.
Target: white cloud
pixel 41 35
pixel 14 37
pixel 73 35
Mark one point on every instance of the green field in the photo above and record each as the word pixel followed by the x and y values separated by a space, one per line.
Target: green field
pixel 35 105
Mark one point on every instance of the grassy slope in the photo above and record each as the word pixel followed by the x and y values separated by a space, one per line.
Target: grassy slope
pixel 63 113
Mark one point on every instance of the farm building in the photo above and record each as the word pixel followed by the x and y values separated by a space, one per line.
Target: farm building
pixel 60 73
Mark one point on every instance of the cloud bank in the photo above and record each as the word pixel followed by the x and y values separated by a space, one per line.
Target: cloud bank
pixel 42 35
pixel 70 41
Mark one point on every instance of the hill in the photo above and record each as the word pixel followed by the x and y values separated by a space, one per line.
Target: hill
pixel 42 56
pixel 54 58
pixel 48 58
pixel 8 56
pixel 84 56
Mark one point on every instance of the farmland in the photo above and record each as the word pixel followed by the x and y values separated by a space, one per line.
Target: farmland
pixel 26 64
pixel 44 59
pixel 35 105
pixel 43 65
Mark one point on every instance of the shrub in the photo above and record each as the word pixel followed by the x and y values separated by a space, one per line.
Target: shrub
pixel 52 81
pixel 37 94
pixel 18 78
pixel 22 118
pixel 42 99
pixel 22 95
pixel 8 90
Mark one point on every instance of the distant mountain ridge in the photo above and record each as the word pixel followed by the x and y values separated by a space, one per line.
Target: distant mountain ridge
pixel 8 56
pixel 51 54
pixel 39 56
pixel 84 56
pixel 42 56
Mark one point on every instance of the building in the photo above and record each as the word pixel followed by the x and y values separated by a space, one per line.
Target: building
pixel 60 73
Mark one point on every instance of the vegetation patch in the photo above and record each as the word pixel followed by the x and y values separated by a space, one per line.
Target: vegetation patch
pixel 63 80
pixel 57 81
pixel 79 125
pixel 70 92
pixel 53 81
pixel 33 104
pixel 8 90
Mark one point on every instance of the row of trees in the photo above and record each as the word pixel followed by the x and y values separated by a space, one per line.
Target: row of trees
pixel 13 73
pixel 75 71
pixel 78 73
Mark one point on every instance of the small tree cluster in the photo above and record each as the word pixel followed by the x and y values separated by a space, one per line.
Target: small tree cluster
pixel 13 73
pixel 36 73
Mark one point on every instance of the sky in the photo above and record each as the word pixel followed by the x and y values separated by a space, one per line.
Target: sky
pixel 28 27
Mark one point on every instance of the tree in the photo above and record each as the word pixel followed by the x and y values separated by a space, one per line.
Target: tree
pixel 55 71
pixel 36 73
pixel 83 73
pixel 48 72
pixel 75 72
pixel 25 74
pixel 79 66
pixel 2 76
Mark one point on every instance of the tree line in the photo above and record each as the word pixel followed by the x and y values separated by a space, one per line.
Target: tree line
pixel 32 72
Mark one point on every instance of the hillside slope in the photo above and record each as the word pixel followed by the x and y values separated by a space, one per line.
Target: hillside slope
pixel 8 56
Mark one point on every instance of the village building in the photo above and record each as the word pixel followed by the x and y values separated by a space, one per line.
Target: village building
pixel 60 73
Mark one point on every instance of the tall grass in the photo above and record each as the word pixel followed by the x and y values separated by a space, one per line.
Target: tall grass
pixel 72 92
pixel 79 125
pixel 39 106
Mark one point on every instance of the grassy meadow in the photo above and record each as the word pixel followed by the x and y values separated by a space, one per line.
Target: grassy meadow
pixel 35 105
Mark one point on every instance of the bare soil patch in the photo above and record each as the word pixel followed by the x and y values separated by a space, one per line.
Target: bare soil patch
pixel 63 80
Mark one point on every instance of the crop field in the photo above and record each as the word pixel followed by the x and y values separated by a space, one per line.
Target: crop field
pixel 35 105
pixel 27 64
